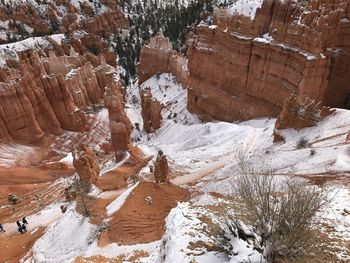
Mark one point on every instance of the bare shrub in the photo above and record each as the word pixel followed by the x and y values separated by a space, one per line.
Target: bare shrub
pixel 283 213
pixel 303 143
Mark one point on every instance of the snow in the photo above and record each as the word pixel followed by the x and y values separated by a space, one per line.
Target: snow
pixel 68 159
pixel 41 219
pixel 11 153
pixel 184 228
pixel 9 51
pixel 246 8
pixel 173 96
pixel 111 165
pixel 114 250
pixel 334 212
pixel 119 201
pixel 64 240
pixel 336 219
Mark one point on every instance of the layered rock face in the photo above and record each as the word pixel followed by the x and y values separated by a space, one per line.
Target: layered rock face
pixel 43 95
pixel 84 161
pixel 120 124
pixel 21 19
pixel 159 57
pixel 151 111
pixel 246 64
pixel 299 113
pixel 245 68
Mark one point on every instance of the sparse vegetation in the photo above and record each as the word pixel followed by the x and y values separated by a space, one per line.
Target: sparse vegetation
pixel 82 189
pixel 303 143
pixel 284 212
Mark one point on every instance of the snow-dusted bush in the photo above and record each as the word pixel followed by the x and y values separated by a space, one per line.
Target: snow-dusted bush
pixel 284 212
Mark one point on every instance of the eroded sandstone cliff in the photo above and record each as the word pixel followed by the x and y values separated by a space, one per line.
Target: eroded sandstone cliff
pixel 21 19
pixel 120 124
pixel 44 94
pixel 245 66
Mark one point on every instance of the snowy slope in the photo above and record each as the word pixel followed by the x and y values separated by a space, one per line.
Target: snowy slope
pixel 242 7
pixel 9 51
pixel 204 156
pixel 189 238
pixel 69 237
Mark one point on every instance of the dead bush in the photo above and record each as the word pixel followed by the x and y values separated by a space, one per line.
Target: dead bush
pixel 284 213
pixel 303 143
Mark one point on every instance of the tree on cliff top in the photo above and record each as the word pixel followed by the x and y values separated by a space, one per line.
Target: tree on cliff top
pixel 146 19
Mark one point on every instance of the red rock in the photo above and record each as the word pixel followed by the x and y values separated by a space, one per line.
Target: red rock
pixel 236 72
pixel 299 113
pixel 120 139
pixel 161 169
pixel 50 19
pixel 43 95
pixel 120 124
pixel 151 111
pixel 84 161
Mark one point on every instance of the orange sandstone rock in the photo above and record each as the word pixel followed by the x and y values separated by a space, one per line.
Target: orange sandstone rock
pixel 84 161
pixel 151 111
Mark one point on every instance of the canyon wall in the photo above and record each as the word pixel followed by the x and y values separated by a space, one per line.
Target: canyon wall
pixel 246 65
pixel 242 68
pixel 47 84
pixel 159 57
pixel 22 19
pixel 41 95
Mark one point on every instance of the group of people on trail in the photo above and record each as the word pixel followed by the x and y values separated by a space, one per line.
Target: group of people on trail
pixel 22 228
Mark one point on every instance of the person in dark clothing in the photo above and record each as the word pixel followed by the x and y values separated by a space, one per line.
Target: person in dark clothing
pixel 1 228
pixel 21 228
pixel 24 228
pixel 25 222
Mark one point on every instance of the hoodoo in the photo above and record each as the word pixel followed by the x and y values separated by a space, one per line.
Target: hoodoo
pixel 160 131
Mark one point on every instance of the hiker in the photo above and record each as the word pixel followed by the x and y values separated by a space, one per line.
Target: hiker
pixel 19 227
pixel 1 228
pixel 24 228
pixel 25 222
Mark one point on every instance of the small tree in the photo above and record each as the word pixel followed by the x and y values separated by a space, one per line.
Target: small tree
pixel 82 189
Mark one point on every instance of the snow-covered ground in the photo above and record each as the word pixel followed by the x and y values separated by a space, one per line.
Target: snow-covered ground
pixel 242 7
pixel 191 232
pixel 65 239
pixel 205 155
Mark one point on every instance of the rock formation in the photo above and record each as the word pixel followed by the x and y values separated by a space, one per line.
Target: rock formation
pixel 120 124
pixel 84 161
pixel 151 111
pixel 246 65
pixel 22 19
pixel 299 113
pixel 159 57
pixel 161 169
pixel 43 94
